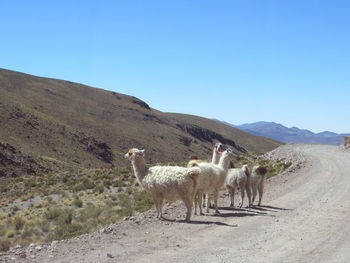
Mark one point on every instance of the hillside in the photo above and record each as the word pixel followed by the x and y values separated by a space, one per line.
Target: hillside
pixel 49 124
pixel 281 133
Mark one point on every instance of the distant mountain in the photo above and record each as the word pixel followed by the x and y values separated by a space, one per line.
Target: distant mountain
pixel 49 124
pixel 281 133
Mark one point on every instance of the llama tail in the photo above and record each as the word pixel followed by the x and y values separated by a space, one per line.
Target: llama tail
pixel 194 173
pixel 246 170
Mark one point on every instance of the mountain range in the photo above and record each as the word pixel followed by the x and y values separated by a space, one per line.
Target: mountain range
pixel 281 133
pixel 49 124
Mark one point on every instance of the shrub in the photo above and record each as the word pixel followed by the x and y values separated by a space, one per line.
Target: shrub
pixel 51 180
pixel 125 200
pixel 45 226
pixel 129 190
pixel 100 189
pixel 2 230
pixel 10 234
pixel 3 188
pixel 77 202
pixel 27 233
pixel 48 199
pixel 14 209
pixel 119 183
pixel 65 231
pixel 85 184
pixel 53 213
pixel 90 211
pixel 107 183
pixel 65 217
pixel 4 245
pixel 31 182
pixel 123 212
pixel 143 200
pixel 113 197
pixel 18 222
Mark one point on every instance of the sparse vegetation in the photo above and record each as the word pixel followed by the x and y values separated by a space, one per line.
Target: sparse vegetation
pixel 4 245
pixel 69 204
pixel 66 205
pixel 273 168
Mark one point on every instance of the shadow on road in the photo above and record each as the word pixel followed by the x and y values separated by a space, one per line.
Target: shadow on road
pixel 242 212
pixel 269 208
pixel 206 223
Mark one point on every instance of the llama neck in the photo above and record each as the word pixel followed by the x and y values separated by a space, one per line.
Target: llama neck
pixel 216 157
pixel 140 169
pixel 224 162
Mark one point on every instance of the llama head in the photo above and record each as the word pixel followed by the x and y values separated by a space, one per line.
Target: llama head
pixel 262 170
pixel 228 154
pixel 219 148
pixel 132 153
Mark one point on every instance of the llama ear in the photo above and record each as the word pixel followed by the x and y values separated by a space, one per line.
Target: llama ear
pixel 128 155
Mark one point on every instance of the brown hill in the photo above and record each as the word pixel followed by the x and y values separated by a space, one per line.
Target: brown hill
pixel 55 124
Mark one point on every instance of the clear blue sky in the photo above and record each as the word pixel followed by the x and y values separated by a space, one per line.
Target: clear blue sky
pixel 237 61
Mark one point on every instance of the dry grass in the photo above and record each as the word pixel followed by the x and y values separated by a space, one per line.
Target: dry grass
pixel 67 205
pixel 82 201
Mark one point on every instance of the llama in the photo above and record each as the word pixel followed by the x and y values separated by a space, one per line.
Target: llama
pixel 239 178
pixel 257 177
pixel 165 182
pixel 212 178
pixel 218 149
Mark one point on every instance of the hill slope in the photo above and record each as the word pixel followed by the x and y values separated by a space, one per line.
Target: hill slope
pixel 281 133
pixel 58 123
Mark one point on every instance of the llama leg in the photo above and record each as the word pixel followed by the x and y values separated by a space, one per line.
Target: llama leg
pixel 210 198
pixel 156 203
pixel 200 200
pixel 160 205
pixel 208 202
pixel 205 196
pixel 188 204
pixel 247 189
pixel 261 191
pixel 216 196
pixel 232 196
pixel 254 192
pixel 242 196
pixel 196 202
pixel 188 201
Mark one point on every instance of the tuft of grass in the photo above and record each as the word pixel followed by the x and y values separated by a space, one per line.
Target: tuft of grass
pixel 10 233
pixel 99 189
pixel 30 182
pixel 77 202
pixel 53 213
pixel 3 188
pixel 4 245
pixel 18 222
pixel 65 231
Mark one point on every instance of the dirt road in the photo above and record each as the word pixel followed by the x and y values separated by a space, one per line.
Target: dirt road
pixel 305 217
